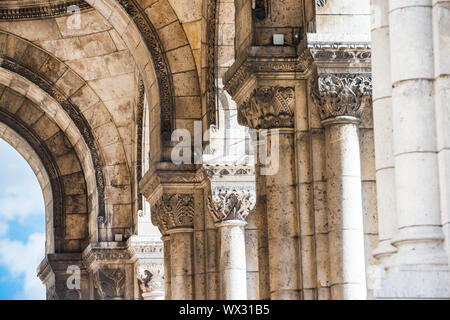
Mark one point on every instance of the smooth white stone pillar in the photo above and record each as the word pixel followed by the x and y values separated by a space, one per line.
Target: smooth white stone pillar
pixel 345 217
pixel 233 275
pixel 419 269
pixel 383 134
pixel 441 41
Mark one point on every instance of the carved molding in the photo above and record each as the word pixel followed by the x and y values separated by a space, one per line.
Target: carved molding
pixel 231 203
pixel 229 170
pixel 93 256
pixel 44 9
pixel 110 283
pixel 151 277
pixel 341 94
pixel 267 108
pixel 162 69
pixel 173 211
pixel 211 87
pixel 347 52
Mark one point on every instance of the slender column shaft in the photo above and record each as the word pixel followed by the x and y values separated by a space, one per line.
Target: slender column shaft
pixel 167 281
pixel 233 261
pixel 382 114
pixel 251 252
pixel 345 220
pixel 282 216
pixel 181 263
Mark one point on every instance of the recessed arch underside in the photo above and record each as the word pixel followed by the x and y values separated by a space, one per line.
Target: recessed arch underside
pixel 56 165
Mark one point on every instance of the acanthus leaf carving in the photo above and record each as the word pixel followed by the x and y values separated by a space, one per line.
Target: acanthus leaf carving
pixel 173 211
pixel 231 203
pixel 151 277
pixel 268 107
pixel 341 94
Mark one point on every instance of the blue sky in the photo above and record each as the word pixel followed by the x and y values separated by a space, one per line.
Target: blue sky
pixel 22 227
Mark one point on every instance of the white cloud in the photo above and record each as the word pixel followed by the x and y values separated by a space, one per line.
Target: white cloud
pixel 21 260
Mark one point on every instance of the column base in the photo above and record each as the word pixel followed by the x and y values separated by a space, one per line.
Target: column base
pixel 419 269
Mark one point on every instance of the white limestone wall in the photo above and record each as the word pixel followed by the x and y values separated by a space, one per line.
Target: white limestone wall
pixel 342 21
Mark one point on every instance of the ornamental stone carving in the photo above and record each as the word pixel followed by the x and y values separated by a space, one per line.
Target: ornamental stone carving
pixel 151 277
pixel 321 3
pixel 173 211
pixel 267 108
pixel 231 203
pixel 339 95
pixel 110 283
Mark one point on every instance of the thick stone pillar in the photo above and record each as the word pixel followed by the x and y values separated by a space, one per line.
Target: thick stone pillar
pixel 441 42
pixel 419 269
pixel 167 268
pixel 277 168
pixel 65 277
pixel 382 118
pixel 340 99
pixel 230 208
pixel 178 196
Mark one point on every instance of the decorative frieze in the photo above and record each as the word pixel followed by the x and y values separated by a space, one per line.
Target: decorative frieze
pixel 40 9
pixel 321 3
pixel 228 203
pixel 337 52
pixel 229 170
pixel 267 108
pixel 173 211
pixel 338 95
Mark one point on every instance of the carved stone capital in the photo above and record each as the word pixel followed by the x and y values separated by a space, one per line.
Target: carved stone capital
pixel 151 277
pixel 172 211
pixel 268 107
pixel 227 203
pixel 341 95
pixel 110 283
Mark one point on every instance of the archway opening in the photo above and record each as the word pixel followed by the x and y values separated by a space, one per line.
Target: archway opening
pixel 22 227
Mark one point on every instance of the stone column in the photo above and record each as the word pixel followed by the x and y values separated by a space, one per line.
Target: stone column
pixel 230 208
pixel 340 99
pixel 382 118
pixel 441 42
pixel 420 266
pixel 277 156
pixel 167 268
pixel 178 197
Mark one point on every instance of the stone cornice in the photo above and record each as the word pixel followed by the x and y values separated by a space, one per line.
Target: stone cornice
pixel 106 252
pixel 266 60
pixel 9 10
pixel 341 95
pixel 268 108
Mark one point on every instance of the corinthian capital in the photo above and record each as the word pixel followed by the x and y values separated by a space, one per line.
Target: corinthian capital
pixel 267 108
pixel 338 95
pixel 231 203
pixel 173 211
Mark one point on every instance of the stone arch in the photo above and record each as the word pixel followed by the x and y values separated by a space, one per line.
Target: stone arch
pixel 157 39
pixel 67 99
pixel 53 158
